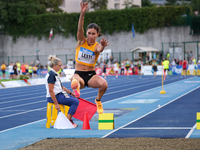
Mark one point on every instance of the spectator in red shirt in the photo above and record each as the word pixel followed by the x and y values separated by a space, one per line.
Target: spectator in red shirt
pixel 23 68
pixel 180 62
pixel 184 66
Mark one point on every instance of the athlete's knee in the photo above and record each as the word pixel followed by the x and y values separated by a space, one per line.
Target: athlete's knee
pixel 104 85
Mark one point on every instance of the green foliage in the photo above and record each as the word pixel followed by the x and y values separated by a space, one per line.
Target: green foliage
pixel 21 77
pixel 147 3
pixel 52 5
pixel 109 21
pixel 97 4
pixel 195 25
pixel 171 2
pixel 195 5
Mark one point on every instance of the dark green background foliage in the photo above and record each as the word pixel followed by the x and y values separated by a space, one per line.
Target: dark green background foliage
pixel 37 22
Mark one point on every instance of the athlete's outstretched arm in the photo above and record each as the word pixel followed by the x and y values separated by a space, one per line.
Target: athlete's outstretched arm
pixel 80 32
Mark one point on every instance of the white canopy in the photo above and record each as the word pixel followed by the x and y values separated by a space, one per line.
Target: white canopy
pixel 144 49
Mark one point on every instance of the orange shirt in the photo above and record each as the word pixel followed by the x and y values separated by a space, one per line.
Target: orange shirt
pixel 23 68
pixel 3 67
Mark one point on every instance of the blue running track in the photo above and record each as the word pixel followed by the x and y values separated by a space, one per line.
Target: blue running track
pixel 139 110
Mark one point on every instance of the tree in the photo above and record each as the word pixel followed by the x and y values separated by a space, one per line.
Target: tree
pixel 52 5
pixel 147 3
pixel 171 2
pixel 195 5
pixel 16 11
pixel 97 4
pixel 127 4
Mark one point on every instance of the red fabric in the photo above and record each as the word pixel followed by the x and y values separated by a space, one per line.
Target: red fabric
pixel 83 107
pixel 184 64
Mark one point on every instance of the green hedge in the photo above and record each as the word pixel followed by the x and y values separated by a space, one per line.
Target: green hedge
pixel 109 21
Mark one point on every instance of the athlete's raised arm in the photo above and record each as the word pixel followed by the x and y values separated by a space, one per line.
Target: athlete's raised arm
pixel 80 31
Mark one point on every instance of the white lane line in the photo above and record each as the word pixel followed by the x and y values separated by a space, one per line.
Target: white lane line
pixel 23 112
pixel 82 91
pixel 189 133
pixel 149 112
pixel 86 98
pixel 157 128
pixel 21 99
pixel 21 126
pixel 20 95
pixel 22 105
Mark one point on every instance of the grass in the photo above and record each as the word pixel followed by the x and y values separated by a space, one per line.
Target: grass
pixel 2 80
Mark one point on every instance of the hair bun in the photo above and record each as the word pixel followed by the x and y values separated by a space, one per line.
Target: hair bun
pixel 51 57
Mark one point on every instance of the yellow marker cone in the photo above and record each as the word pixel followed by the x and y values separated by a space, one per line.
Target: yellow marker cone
pixel 106 121
pixel 198 120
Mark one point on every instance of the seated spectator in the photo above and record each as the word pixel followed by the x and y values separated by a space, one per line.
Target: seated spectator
pixel 58 94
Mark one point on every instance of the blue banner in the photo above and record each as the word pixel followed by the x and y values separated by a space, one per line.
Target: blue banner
pixel 133 30
pixel 42 71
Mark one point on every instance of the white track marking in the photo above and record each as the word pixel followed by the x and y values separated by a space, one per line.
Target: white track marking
pixel 149 113
pixel 188 135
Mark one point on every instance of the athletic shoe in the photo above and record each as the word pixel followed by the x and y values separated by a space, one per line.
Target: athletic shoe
pixel 99 107
pixel 75 87
pixel 75 125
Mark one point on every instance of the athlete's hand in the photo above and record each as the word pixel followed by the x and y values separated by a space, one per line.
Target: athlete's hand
pixel 104 43
pixel 84 7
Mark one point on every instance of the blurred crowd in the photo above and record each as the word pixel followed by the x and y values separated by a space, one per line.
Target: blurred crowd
pixel 16 69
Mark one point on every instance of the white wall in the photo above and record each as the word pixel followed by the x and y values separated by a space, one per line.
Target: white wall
pixel 119 42
pixel 70 6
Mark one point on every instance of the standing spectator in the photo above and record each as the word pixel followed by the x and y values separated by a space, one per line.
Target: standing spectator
pixel 154 67
pixel 106 58
pixel 132 67
pixel 30 70
pixel 160 57
pixel 11 71
pixel 166 65
pixel 180 62
pixel 3 68
pixel 147 58
pixel 198 62
pixel 139 65
pixel 23 68
pixel 111 58
pixel 168 55
pixel 18 67
pixel 35 71
pixel 193 60
pixel 15 70
pixel 27 67
pixel 173 63
pixel 184 66
pixel 104 66
pixel 116 69
pixel 177 62
pixel 191 55
pixel 127 65
pixel 122 68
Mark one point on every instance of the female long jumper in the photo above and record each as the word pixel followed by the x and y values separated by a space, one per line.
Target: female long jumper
pixel 87 53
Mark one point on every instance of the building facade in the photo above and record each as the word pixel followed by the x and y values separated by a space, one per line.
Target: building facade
pixel 71 6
